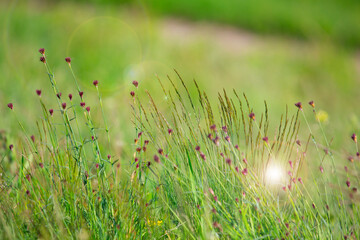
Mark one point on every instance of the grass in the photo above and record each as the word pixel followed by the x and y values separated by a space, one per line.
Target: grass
pixel 196 171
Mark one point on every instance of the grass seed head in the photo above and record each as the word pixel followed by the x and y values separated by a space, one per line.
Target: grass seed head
pixel 70 96
pixel 135 83
pixel 42 51
pixel 38 92
pixel 63 105
pixel 11 106
pixel 312 104
pixel 95 83
pixel 81 94
pixel 51 111
pixel 11 147
pixel 353 137
pixel 252 116
pixel 68 60
pixel 298 105
pixel 42 59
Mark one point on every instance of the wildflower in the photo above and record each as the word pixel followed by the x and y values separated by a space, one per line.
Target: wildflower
pixel 202 155
pixel 222 154
pixel 41 165
pixel 95 83
pixel 236 200
pixel 321 169
pixel 97 165
pixel 11 106
pixel 215 198
pixel 244 194
pixel 28 177
pixel 351 159
pixel 88 109
pixel 216 141
pixel 160 151
pixel 353 137
pixel 298 142
pixel 284 189
pixel 63 105
pixel 354 189
pixel 11 146
pixel 138 149
pixel 28 192
pixel 137 165
pixel 300 180
pixel 58 95
pixel 237 169
pixel 170 131
pixel 348 183
pixel 227 138
pixel 224 128
pixel 139 134
pixel 38 92
pixel 266 139
pixel 81 94
pixel 290 173
pixel 132 93
pixel 42 51
pixel 313 205
pixel 298 105
pixel 156 158
pixel 135 83
pixel 109 156
pixel 346 168
pixel 136 159
pixel 210 136
pixel 70 96
pixel 92 138
pixel 213 210
pixel 32 138
pixel 228 161
pixel 252 115
pixel 213 127
pixel 197 148
pixel 51 111
pixel 237 147
pixel 287 225
pixel 82 104
pixel 244 171
pixel 291 164
pixel 327 207
pixel 245 161
pixel 146 142
pixel 311 103
pixel 42 59
pixel 68 60
pixel 136 140
pixel 148 164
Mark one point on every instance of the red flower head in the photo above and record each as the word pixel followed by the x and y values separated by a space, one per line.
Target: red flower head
pixel 11 106
pixel 51 111
pixel 68 60
pixel 170 131
pixel 38 92
pixel 88 109
pixel 311 103
pixel 32 138
pixel 95 83
pixel 42 51
pixel 298 105
pixel 228 161
pixel 132 93
pixel 109 156
pixel 266 139
pixel 244 171
pixel 160 151
pixel 82 104
pixel 42 59
pixel 213 127
pixel 353 137
pixel 11 146
pixel 252 116
pixel 156 158
pixel 70 96
pixel 58 95
pixel 63 105
pixel 135 83
pixel 348 183
pixel 197 148
pixel 81 94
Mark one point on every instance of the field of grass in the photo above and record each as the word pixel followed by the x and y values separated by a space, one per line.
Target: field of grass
pixel 145 166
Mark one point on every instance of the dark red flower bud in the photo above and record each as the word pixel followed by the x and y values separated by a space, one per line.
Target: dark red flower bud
pixel 95 83
pixel 351 159
pixel 109 156
pixel 237 169
pixel 58 95
pixel 300 180
pixel 88 109
pixel 132 93
pixel 298 105
pixel 161 152
pixel 138 149
pixel 70 96
pixel 210 136
pixel 32 138
pixel 97 165
pixel 321 169
pixel 311 103
pixel 146 142
pixel 148 164
pixel 348 183
pixel 81 94
pixel 41 165
pixel 63 105
pixel 135 83
pixel 353 137
pixel 197 148
pixel 213 127
pixel 215 198
pixel 92 138
pixel 11 146
pixel 144 149
pixel 244 171
pixel 38 92
pixel 28 192
pixel 237 147
pixel 252 116
pixel 266 139
pixel 28 177
pixel 42 59
pixel 11 106
pixel 156 158
pixel 228 161
pixel 68 60
pixel 245 161
pixel 227 138
pixel 42 51
pixel 170 131
pixel 82 104
pixel 202 155
pixel 224 128
pixel 298 142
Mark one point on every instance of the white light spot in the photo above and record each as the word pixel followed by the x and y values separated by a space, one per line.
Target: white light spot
pixel 274 174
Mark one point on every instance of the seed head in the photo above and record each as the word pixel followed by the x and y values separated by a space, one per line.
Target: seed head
pixel 202 155
pixel 81 94
pixel 135 83
pixel 224 128
pixel 146 142
pixel 170 131
pixel 11 146
pixel 82 104
pixel 41 165
pixel 227 138
pixel 97 165
pixel 88 109
pixel 298 142
pixel 197 148
pixel 213 127
pixel 38 92
pixel 156 158
pixel 245 161
pixel 51 111
pixel 95 83
pixel 144 149
pixel 300 180
pixel 160 151
pixel 11 106
pixel 252 116
pixel 58 95
pixel 311 103
pixel 210 136
pixel 63 105
pixel 354 138
pixel 298 105
pixel 348 183
pixel 32 138
pixel 148 164
pixel 70 96
pixel 68 60
pixel 321 169
pixel 244 171
pixel 266 139
pixel 228 161
pixel 42 59
pixel 42 51
pixel 132 93
pixel 138 149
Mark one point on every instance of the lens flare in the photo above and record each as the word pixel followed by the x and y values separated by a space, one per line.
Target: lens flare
pixel 274 174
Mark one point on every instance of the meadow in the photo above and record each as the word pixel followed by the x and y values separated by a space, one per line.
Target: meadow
pixel 136 126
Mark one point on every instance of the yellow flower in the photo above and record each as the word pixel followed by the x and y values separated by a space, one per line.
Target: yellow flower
pixel 322 116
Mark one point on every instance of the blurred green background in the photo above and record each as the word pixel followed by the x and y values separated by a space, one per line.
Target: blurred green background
pixel 279 51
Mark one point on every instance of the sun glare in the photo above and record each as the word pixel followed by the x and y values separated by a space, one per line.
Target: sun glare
pixel 274 174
